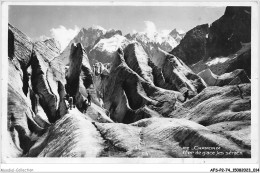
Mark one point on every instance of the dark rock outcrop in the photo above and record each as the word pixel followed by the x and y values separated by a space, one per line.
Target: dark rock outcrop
pixel 228 32
pixel 192 47
pixel 220 65
pixel 243 61
pixel 225 37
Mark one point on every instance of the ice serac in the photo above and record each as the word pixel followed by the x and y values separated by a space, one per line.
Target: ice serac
pixel 126 94
pixel 22 124
pixel 159 57
pixel 172 73
pixel 233 78
pixel 192 47
pixel 52 43
pixel 78 75
pixel 73 75
pixel 101 74
pixel 105 49
pixel 86 71
pixel 34 88
pixel 45 78
pixel 22 128
pixel 86 74
pixel 40 115
pixel 137 59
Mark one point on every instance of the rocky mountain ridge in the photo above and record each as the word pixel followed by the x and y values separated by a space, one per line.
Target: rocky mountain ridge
pixel 228 38
pixel 151 43
pixel 96 37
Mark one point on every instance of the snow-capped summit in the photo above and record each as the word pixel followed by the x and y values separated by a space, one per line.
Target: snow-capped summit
pixel 111 44
pixel 105 49
pixel 155 40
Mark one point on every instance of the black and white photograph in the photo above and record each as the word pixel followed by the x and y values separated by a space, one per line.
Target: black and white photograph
pixel 118 81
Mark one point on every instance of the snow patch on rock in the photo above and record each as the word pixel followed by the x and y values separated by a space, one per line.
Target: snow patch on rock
pixel 217 61
pixel 110 45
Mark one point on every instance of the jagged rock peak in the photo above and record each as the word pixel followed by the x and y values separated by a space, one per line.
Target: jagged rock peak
pixel 89 37
pixel 192 47
pixel 231 10
pixel 96 28
pixel 175 33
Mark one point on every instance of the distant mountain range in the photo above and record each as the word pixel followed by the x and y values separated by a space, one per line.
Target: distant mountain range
pixel 96 37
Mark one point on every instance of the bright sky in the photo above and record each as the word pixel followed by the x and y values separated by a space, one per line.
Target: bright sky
pixel 64 22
